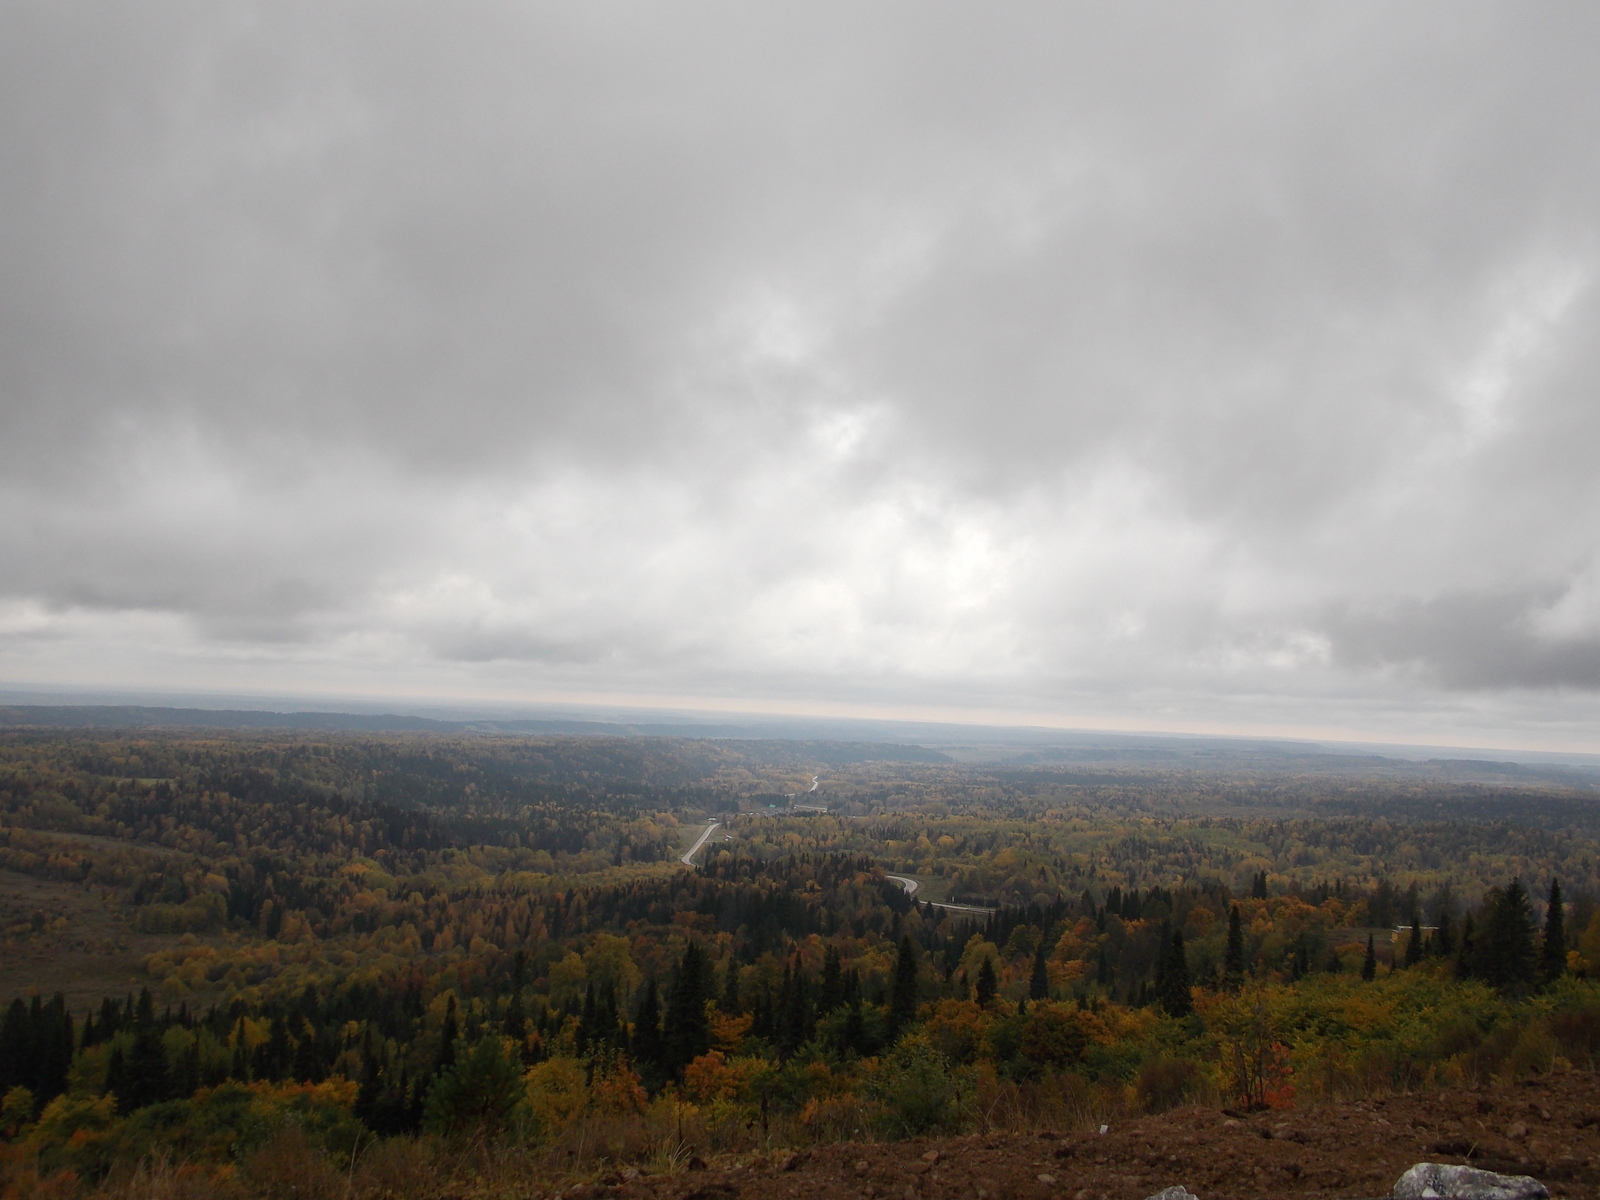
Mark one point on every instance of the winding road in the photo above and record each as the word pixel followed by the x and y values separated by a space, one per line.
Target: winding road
pixel 687 858
pixel 911 886
pixel 905 881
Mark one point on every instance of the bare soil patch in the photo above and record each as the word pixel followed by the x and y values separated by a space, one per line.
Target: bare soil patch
pixel 1548 1128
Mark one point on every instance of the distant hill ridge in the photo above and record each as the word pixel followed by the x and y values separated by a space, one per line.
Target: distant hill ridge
pixel 131 716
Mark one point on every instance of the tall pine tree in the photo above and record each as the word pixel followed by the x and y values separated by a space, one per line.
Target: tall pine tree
pixel 649 1048
pixel 1174 977
pixel 1553 947
pixel 688 1032
pixel 1233 963
pixel 1039 981
pixel 987 984
pixel 1507 956
pixel 903 995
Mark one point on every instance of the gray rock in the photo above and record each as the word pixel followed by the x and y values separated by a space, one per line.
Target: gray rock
pixel 1176 1192
pixel 1436 1181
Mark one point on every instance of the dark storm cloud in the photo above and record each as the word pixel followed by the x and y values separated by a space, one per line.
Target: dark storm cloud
pixel 1054 358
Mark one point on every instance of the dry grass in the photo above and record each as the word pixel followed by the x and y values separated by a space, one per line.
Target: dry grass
pixel 63 937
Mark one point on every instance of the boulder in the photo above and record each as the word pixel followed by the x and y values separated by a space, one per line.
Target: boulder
pixel 1176 1192
pixel 1436 1181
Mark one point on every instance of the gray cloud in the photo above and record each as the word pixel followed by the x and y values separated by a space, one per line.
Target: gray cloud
pixel 1170 365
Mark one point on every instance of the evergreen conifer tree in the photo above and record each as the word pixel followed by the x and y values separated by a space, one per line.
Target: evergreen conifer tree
pixel 1369 966
pixel 1467 952
pixel 1174 982
pixel 832 992
pixel 1414 943
pixel 516 1019
pixel 239 1069
pixel 1233 963
pixel 1443 944
pixel 649 1049
pixel 688 1032
pixel 903 995
pixel 1039 981
pixel 449 1031
pixel 1553 947
pixel 368 1091
pixel 1508 958
pixel 730 1002
pixel 987 984
pixel 855 1027
pixel 797 1019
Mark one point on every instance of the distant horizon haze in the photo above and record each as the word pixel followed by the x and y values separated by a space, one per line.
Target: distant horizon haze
pixel 917 724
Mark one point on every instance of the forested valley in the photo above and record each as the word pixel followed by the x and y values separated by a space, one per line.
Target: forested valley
pixel 227 950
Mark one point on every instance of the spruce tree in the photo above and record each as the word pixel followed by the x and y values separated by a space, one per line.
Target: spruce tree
pixel 1174 984
pixel 731 1002
pixel 239 1068
pixel 368 1092
pixel 1233 963
pixel 832 992
pixel 797 1019
pixel 987 985
pixel 586 1021
pixel 1039 981
pixel 688 1032
pixel 1553 947
pixel 445 1056
pixel 903 995
pixel 516 1018
pixel 1369 967
pixel 1414 943
pixel 1443 941
pixel 1467 952
pixel 855 1027
pixel 649 1049
pixel 1508 958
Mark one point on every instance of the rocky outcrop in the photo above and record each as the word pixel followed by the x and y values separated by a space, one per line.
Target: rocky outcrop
pixel 1176 1192
pixel 1436 1181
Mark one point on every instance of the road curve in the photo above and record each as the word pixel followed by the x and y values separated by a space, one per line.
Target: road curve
pixel 911 886
pixel 687 858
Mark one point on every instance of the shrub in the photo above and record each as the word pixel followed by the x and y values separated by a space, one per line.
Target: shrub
pixel 16 1110
pixel 556 1093
pixel 916 1092
pixel 478 1095
pixel 1165 1083
pixel 1578 1035
pixel 1056 1035
pixel 1533 1054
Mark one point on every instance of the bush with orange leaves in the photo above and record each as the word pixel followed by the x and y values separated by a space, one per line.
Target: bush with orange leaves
pixel 714 1076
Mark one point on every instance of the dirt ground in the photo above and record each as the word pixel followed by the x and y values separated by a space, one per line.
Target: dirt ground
pixel 1548 1128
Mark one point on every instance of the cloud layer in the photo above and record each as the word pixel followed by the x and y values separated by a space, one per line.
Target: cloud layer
pixel 1227 366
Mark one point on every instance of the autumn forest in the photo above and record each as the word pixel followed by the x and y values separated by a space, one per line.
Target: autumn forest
pixel 383 948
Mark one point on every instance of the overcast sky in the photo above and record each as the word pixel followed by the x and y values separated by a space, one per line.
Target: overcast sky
pixel 1148 366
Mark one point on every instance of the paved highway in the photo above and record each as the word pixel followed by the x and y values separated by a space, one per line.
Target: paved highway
pixel 705 835
pixel 911 886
